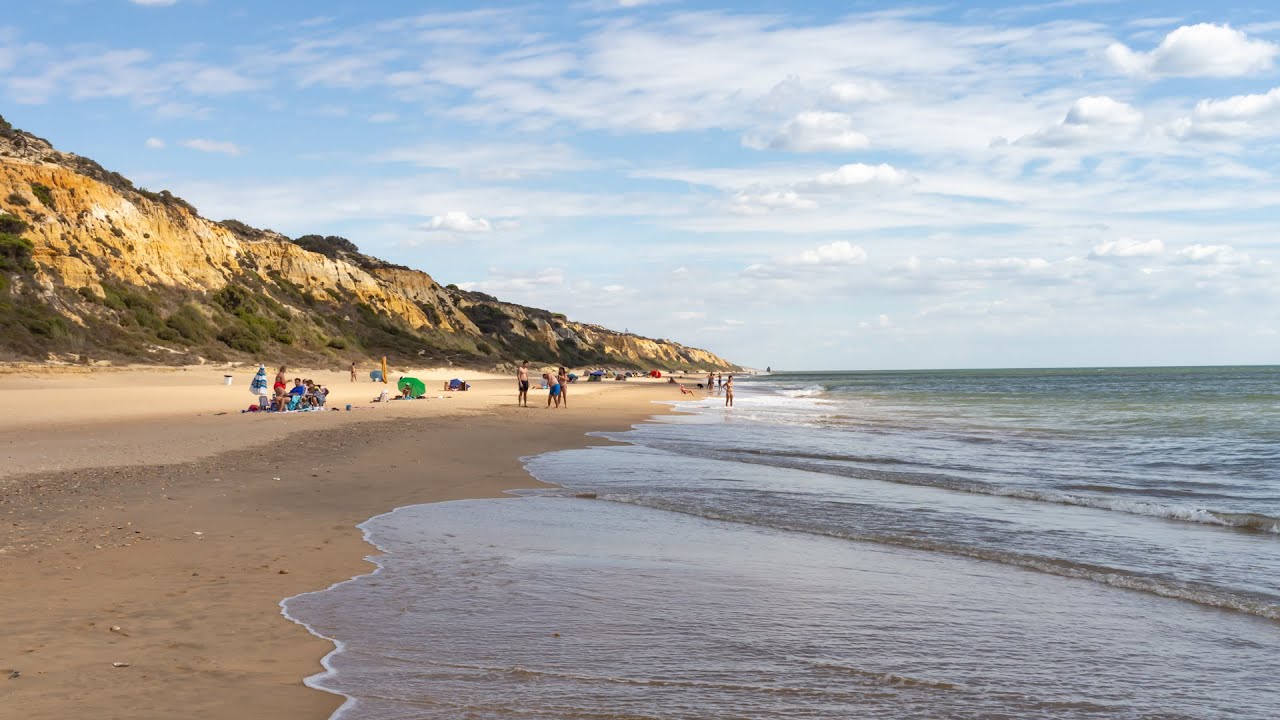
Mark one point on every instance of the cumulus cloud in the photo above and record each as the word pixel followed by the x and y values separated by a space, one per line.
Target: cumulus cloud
pixel 840 252
pixel 862 174
pixel 213 146
pixel 1203 50
pixel 1233 117
pixel 1212 255
pixel 1128 247
pixel 457 222
pixel 814 132
pixel 155 144
pixel 1088 119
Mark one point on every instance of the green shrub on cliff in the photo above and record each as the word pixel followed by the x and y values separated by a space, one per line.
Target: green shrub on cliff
pixel 12 224
pixel 16 199
pixel 44 194
pixel 15 253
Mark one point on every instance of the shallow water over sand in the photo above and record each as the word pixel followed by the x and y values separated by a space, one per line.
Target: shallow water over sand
pixel 549 607
pixel 1065 544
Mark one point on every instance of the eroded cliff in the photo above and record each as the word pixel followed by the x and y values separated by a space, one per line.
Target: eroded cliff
pixel 93 267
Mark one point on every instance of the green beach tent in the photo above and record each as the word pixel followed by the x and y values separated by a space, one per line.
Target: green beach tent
pixel 415 386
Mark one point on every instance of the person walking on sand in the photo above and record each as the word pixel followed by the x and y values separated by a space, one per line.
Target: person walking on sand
pixel 562 380
pixel 353 372
pixel 728 392
pixel 522 384
pixel 711 382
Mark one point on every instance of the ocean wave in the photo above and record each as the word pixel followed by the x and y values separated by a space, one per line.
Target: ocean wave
pixel 1252 522
pixel 1194 592
pixel 806 391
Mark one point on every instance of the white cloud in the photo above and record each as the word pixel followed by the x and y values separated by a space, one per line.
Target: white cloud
pixel 815 132
pixel 1089 119
pixel 457 222
pixel 1212 255
pixel 757 203
pixel 155 144
pixel 1128 247
pixel 862 174
pixel 1203 50
pixel 1238 116
pixel 857 92
pixel 213 146
pixel 383 117
pixel 154 3
pixel 840 252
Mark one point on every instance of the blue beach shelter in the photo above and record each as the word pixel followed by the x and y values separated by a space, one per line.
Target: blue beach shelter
pixel 259 385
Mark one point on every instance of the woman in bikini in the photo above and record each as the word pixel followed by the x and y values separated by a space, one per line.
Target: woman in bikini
pixel 728 392
pixel 563 380
pixel 281 389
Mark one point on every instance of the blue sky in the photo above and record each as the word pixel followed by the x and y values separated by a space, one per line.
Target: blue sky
pixel 834 185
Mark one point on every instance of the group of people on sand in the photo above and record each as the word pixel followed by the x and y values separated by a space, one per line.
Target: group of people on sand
pixel 307 392
pixel 557 385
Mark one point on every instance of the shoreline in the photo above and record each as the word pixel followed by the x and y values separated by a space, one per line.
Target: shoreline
pixel 190 561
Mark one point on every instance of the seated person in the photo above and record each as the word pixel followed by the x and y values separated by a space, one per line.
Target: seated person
pixel 685 391
pixel 322 394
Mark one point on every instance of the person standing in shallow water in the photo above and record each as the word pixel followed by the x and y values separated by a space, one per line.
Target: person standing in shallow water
pixel 728 392
pixel 522 384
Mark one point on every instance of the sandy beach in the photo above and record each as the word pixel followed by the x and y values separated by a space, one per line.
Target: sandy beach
pixel 148 538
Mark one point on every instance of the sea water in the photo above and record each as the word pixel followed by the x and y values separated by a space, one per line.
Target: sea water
pixel 1038 543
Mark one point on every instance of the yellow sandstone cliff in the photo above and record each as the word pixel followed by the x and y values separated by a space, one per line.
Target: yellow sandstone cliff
pixel 104 253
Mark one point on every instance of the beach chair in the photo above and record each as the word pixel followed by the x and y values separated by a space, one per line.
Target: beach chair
pixel 294 403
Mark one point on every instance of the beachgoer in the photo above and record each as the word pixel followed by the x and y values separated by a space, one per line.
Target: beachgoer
pixel 719 380
pixel 684 390
pixel 728 392
pixel 711 382
pixel 353 372
pixel 280 389
pixel 563 381
pixel 554 388
pixel 522 384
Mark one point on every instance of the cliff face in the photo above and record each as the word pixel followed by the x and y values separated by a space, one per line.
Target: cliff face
pixel 100 268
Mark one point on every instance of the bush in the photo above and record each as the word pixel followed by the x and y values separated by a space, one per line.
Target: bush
pixel 15 253
pixel 331 246
pixel 44 194
pixel 240 338
pixel 19 200
pixel 189 325
pixel 234 299
pixel 337 344
pixel 12 224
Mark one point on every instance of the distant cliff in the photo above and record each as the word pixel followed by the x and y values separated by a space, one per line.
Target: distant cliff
pixel 92 267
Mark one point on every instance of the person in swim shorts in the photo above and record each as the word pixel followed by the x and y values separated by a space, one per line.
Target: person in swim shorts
pixel 522 383
pixel 555 389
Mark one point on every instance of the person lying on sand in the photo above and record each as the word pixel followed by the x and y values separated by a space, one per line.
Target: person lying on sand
pixel 685 391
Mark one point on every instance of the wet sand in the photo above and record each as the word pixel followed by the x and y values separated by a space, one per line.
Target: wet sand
pixel 185 530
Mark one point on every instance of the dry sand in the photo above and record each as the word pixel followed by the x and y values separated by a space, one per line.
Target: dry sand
pixel 127 501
